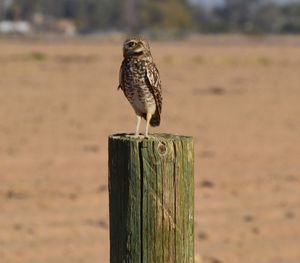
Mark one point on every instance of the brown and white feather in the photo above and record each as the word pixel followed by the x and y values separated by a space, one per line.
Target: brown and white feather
pixel 140 81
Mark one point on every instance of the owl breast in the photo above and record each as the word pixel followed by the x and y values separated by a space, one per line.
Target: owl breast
pixel 136 89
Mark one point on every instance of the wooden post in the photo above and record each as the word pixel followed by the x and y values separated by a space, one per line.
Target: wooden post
pixel 151 199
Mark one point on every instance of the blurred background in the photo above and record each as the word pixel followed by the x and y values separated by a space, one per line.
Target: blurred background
pixel 155 18
pixel 230 74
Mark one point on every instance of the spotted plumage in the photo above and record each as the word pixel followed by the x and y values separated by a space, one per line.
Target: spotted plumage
pixel 140 82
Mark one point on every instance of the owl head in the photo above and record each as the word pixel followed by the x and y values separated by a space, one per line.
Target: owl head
pixel 136 47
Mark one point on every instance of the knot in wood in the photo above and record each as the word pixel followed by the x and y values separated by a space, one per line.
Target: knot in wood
pixel 162 149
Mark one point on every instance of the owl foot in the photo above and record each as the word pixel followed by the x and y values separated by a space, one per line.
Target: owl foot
pixel 141 136
pixel 138 136
pixel 135 136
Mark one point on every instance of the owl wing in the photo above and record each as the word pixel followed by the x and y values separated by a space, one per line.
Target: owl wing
pixel 121 77
pixel 154 84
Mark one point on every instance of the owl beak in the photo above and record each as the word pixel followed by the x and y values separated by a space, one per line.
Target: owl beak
pixel 136 51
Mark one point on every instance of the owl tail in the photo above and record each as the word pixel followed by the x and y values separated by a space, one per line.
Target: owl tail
pixel 155 120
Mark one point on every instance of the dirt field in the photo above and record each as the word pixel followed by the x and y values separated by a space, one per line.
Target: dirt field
pixel 239 98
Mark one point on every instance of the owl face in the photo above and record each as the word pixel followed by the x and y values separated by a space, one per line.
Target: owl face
pixel 136 47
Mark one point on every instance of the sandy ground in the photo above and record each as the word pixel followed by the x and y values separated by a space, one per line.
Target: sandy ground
pixel 239 99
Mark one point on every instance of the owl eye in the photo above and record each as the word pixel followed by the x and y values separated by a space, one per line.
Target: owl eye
pixel 131 44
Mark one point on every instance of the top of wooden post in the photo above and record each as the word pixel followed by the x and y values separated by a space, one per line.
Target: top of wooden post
pixel 153 137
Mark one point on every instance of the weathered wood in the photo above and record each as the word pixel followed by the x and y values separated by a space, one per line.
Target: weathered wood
pixel 151 199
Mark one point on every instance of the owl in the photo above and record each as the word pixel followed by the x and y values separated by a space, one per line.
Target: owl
pixel 139 79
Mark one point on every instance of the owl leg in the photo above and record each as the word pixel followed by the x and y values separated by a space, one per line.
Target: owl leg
pixel 138 122
pixel 148 118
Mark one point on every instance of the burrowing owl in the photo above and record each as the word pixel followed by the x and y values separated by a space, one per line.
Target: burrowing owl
pixel 140 82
